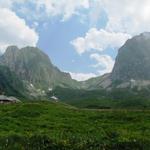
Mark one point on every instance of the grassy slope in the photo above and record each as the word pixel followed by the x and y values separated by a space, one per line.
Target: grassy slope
pixel 46 126
pixel 117 98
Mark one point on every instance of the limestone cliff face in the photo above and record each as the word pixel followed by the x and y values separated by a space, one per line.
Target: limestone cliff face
pixel 133 60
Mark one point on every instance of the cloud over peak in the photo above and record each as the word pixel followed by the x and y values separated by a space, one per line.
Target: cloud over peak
pixel 14 31
pixel 99 40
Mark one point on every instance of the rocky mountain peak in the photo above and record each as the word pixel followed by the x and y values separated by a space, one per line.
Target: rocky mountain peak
pixel 133 59
pixel 34 66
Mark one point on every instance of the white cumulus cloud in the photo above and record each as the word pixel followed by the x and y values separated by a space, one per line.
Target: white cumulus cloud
pixel 9 3
pixel 132 17
pixel 127 16
pixel 14 31
pixel 53 8
pixel 104 62
pixel 99 40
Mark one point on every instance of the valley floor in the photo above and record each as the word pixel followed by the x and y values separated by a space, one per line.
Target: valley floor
pixel 57 126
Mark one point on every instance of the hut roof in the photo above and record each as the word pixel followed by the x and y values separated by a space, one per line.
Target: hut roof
pixel 54 97
pixel 2 97
pixel 5 98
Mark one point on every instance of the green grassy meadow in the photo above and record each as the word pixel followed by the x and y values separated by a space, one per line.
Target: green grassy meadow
pixel 58 126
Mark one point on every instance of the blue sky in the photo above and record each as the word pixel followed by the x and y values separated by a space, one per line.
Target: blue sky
pixel 80 37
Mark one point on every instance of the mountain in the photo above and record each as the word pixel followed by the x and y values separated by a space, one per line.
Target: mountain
pixel 133 60
pixel 128 81
pixel 34 66
pixel 10 84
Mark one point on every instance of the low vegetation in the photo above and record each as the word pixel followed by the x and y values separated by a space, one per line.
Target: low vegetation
pixel 103 99
pixel 57 126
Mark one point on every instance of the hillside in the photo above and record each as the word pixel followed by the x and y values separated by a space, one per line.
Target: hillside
pixel 46 125
pixel 104 99
pixel 10 84
pixel 100 82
